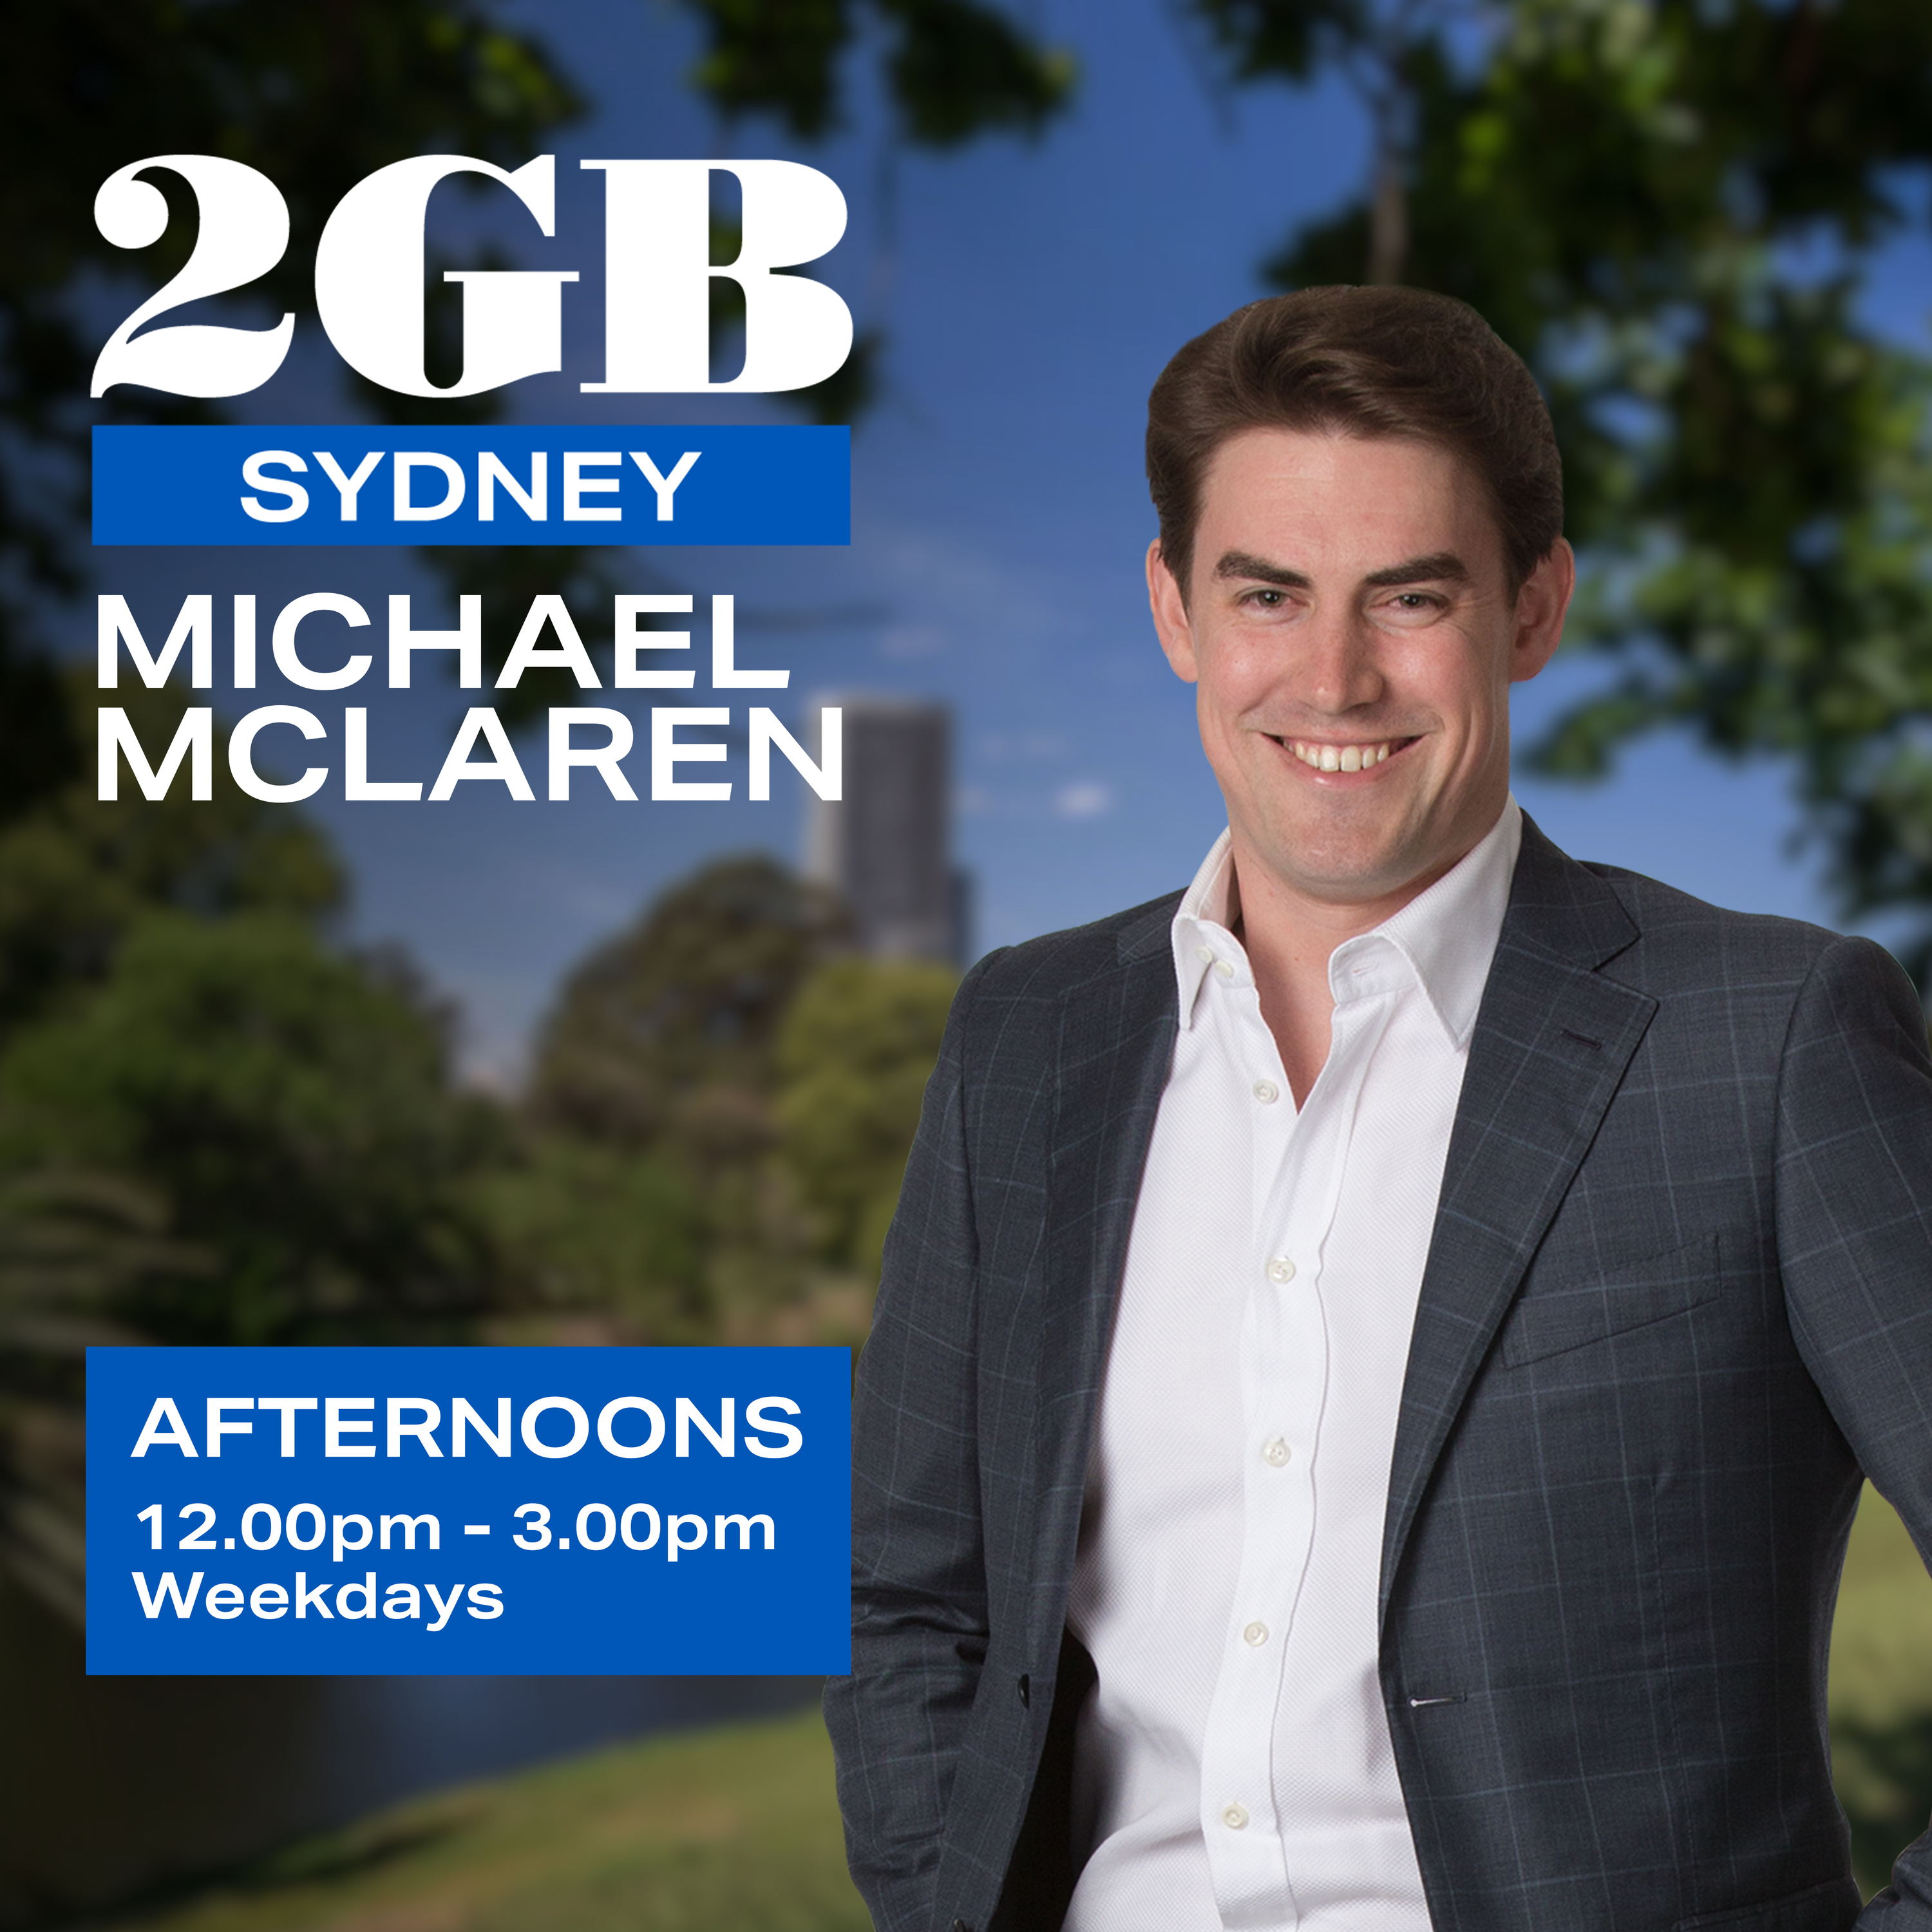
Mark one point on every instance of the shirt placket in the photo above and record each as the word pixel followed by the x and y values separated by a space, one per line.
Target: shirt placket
pixel 1284 1355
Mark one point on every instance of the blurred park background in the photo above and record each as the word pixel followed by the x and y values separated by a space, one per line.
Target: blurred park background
pixel 604 1072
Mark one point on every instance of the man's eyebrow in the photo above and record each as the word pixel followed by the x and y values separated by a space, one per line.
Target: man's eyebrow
pixel 1240 563
pixel 1441 566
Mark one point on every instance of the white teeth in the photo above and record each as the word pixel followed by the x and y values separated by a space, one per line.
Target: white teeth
pixel 1338 757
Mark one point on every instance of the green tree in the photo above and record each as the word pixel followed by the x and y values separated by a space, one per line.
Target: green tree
pixel 725 1083
pixel 293 1109
pixel 649 1118
pixel 1671 209
pixel 669 1028
pixel 609 1243
pixel 74 1246
pixel 953 68
pixel 77 874
pixel 856 1049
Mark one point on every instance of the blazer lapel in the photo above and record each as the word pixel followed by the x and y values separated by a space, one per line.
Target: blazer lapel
pixel 1553 1039
pixel 1116 1035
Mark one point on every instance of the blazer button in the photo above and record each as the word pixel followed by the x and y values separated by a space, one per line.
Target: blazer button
pixel 1026 1693
pixel 960 1925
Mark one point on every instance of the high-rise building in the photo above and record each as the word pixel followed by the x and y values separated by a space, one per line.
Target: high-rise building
pixel 886 847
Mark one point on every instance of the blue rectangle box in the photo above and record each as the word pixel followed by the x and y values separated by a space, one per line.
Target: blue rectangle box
pixel 603 483
pixel 470 1511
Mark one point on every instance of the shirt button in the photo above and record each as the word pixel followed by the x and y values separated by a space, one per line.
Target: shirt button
pixel 1281 1269
pixel 1267 1092
pixel 1275 1453
pixel 1255 1636
pixel 1233 1817
pixel 1222 967
pixel 1205 954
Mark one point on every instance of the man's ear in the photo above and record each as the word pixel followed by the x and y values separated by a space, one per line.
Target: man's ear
pixel 1539 608
pixel 1171 623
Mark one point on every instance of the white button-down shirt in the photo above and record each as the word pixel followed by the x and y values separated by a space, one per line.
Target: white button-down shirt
pixel 1234 1766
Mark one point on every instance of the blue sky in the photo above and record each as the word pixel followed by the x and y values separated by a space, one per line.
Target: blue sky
pixel 1032 292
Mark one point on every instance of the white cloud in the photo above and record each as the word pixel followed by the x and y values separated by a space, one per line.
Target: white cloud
pixel 1085 798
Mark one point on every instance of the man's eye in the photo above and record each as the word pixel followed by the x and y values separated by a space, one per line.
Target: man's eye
pixel 1269 600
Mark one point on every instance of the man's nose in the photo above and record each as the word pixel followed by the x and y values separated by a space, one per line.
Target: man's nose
pixel 1336 670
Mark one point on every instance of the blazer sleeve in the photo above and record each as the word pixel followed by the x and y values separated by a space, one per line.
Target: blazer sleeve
pixel 1854 1178
pixel 918 1585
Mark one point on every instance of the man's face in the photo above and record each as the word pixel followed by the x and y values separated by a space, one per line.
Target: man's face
pixel 1351 632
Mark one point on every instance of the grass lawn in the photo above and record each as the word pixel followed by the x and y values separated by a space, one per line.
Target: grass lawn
pixel 1882 1640
pixel 730 1830
pixel 1882 1691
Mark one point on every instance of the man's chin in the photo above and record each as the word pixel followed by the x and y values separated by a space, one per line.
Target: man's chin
pixel 1345 873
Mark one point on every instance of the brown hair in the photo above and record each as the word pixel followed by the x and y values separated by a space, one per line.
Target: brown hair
pixel 1384 362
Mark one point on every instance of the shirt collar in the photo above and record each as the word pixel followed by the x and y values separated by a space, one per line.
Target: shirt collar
pixel 1201 935
pixel 1447 936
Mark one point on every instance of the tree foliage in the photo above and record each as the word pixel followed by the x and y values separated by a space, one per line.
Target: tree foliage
pixel 727 1095
pixel 1671 209
pixel 953 68
pixel 614 1235
pixel 856 1049
pixel 75 1247
pixel 671 1027
pixel 292 1107
pixel 76 874
pixel 175 1034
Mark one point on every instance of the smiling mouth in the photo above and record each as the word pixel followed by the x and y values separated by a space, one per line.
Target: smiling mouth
pixel 1343 757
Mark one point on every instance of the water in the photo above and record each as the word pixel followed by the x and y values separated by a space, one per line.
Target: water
pixel 115 1788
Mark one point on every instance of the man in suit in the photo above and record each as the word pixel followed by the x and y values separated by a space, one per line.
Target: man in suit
pixel 1377 1352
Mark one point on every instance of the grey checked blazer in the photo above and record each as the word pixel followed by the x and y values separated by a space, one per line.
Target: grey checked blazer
pixel 1679 1294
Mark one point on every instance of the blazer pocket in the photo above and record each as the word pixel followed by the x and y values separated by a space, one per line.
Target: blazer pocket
pixel 1555 1315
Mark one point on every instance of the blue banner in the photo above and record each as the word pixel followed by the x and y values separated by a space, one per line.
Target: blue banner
pixel 604 483
pixel 554 1512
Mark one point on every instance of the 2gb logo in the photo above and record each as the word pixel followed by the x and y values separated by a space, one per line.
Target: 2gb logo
pixel 369 274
